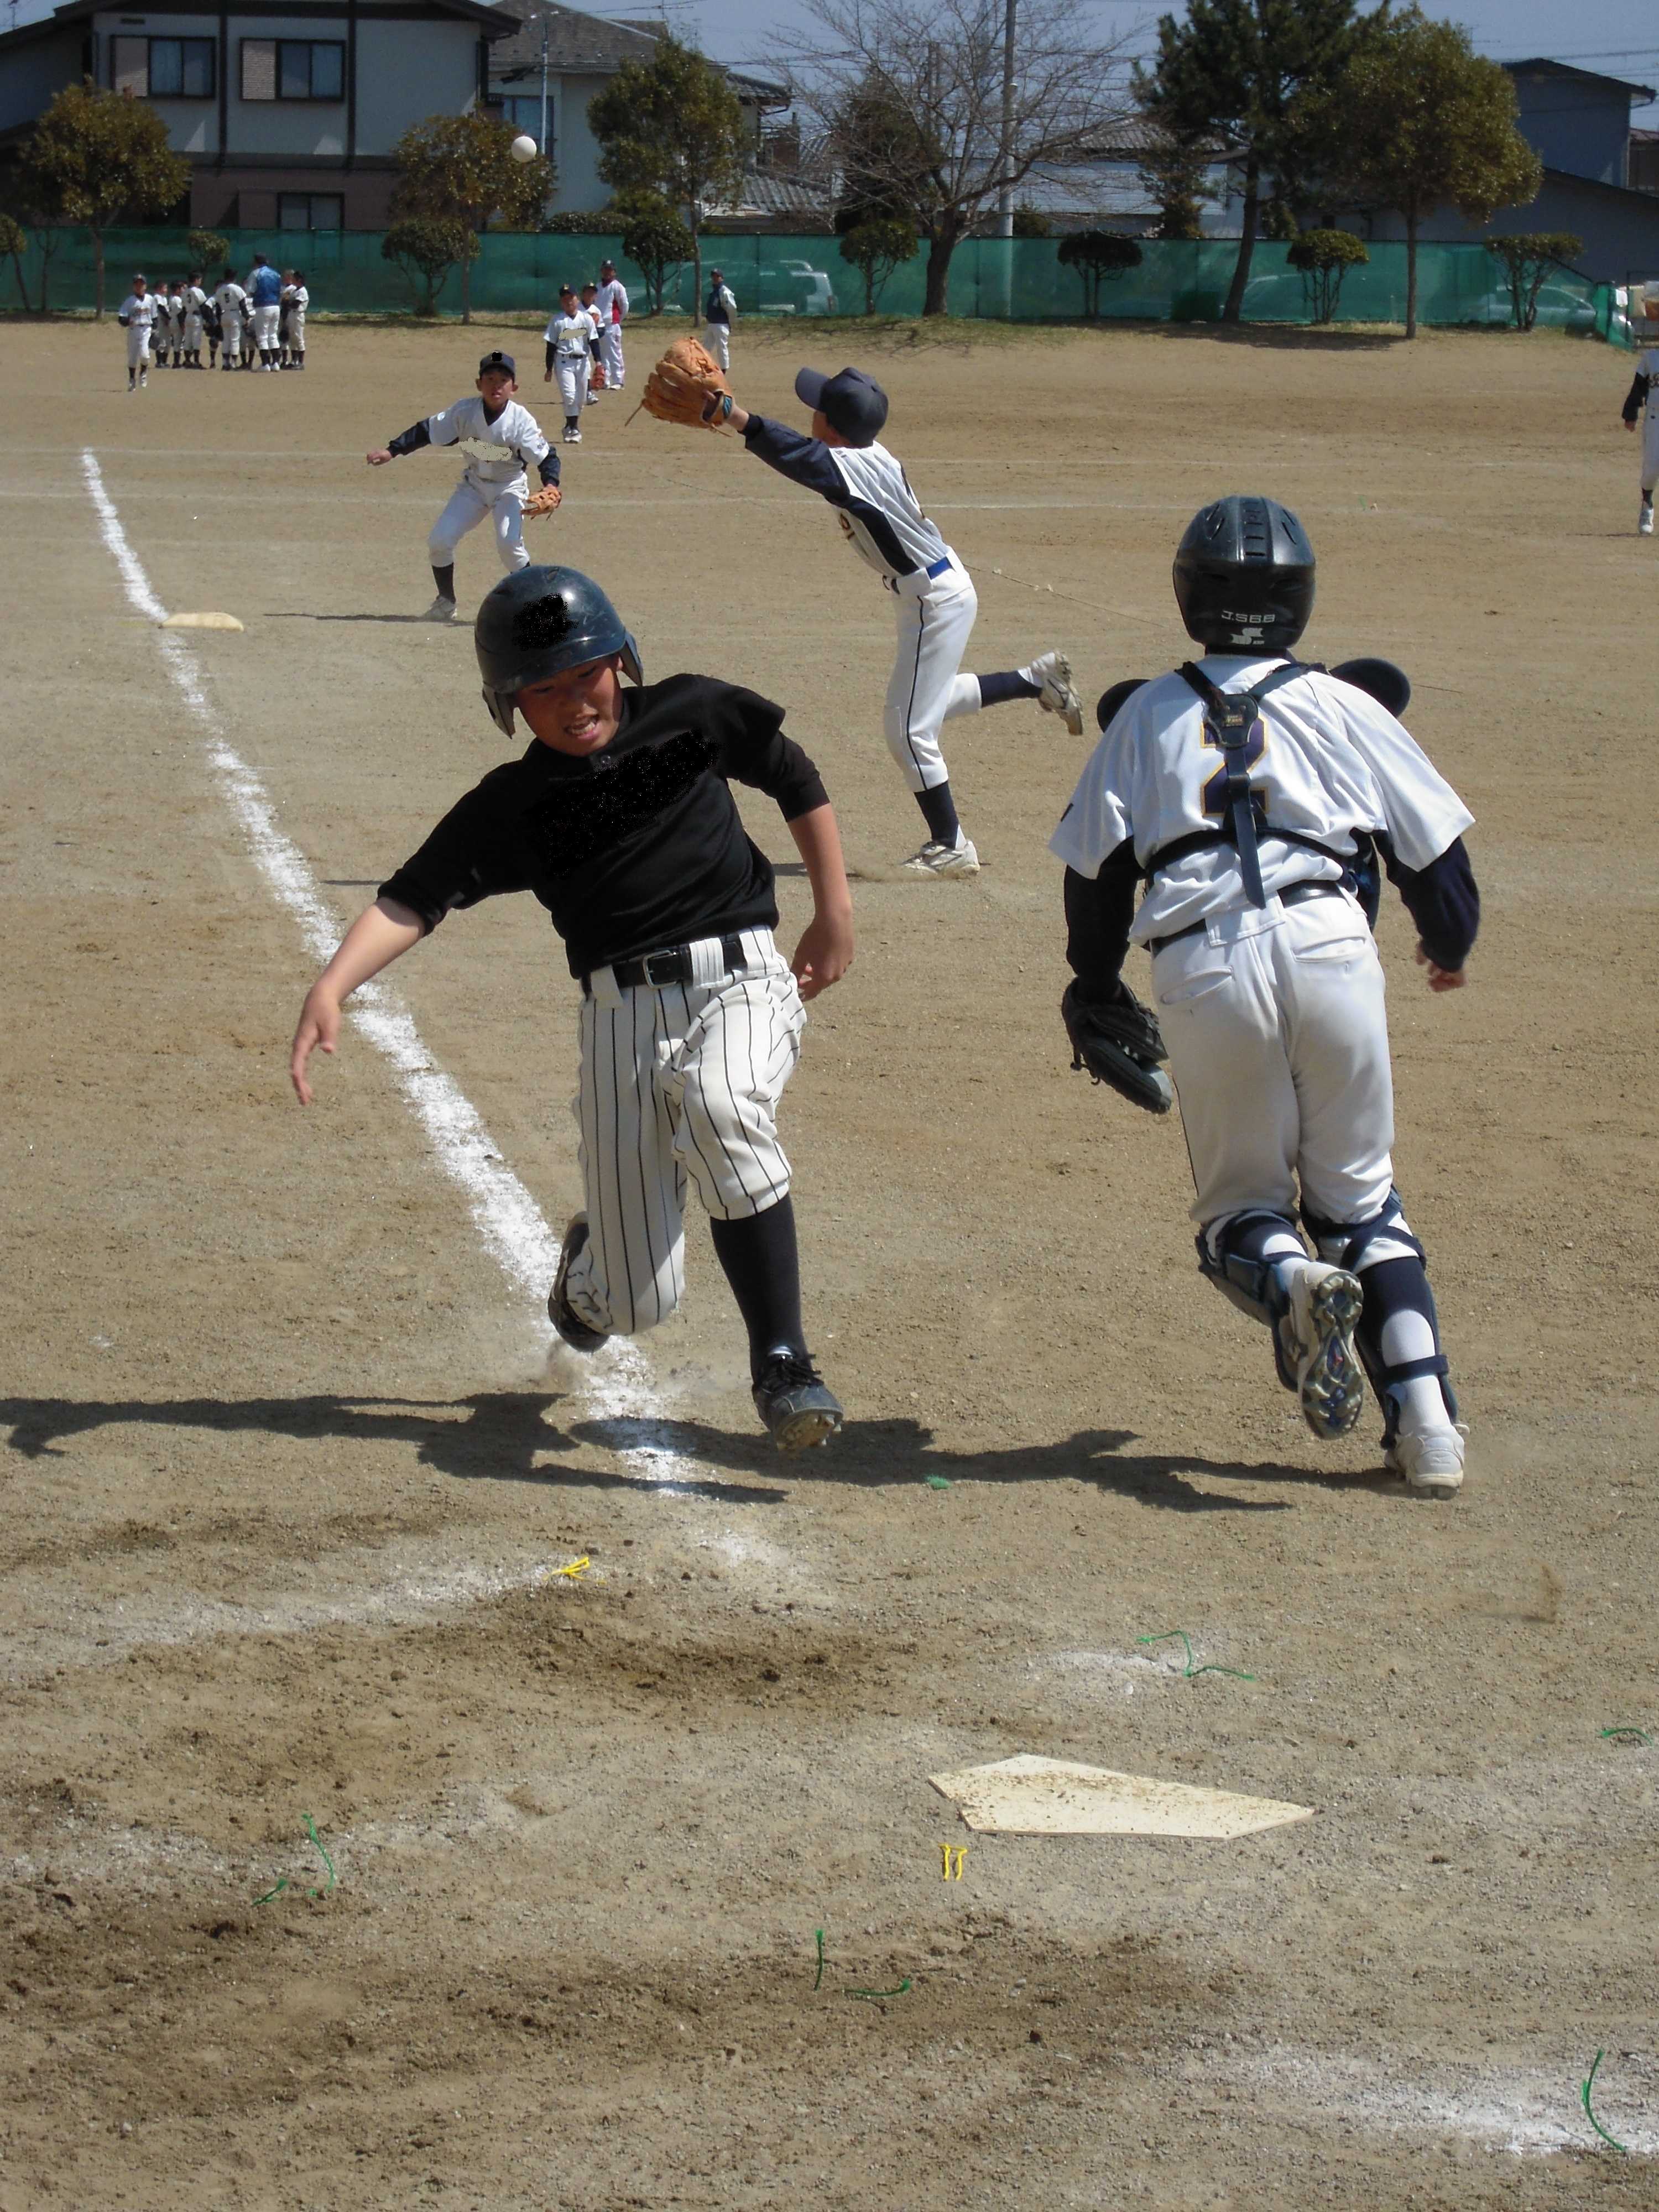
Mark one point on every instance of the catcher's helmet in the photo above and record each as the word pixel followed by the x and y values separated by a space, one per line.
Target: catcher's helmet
pixel 539 622
pixel 1244 576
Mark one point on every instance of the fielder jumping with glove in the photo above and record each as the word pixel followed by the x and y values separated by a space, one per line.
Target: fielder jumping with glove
pixel 1248 793
pixel 620 820
pixel 883 523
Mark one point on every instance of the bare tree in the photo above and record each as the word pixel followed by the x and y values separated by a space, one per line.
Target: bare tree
pixel 949 145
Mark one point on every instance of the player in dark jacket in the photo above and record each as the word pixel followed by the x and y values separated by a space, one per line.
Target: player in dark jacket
pixel 619 817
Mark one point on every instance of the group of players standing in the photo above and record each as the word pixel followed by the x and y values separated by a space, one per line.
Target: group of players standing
pixel 1258 799
pixel 260 325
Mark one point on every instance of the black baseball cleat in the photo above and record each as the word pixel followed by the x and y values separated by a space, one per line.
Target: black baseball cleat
pixel 579 1334
pixel 790 1397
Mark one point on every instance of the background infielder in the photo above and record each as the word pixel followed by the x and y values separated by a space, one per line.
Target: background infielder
pixel 886 526
pixel 717 311
pixel 619 818
pixel 1642 401
pixel 137 314
pixel 501 440
pixel 231 300
pixel 570 337
pixel 612 301
pixel 1247 791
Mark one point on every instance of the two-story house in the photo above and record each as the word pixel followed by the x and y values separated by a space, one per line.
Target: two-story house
pixel 287 112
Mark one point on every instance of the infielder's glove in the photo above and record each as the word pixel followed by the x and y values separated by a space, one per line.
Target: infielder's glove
pixel 686 386
pixel 542 500
pixel 1121 1045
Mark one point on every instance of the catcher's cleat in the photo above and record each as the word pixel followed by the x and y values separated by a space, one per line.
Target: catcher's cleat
pixel 580 1335
pixel 1052 671
pixel 1315 1345
pixel 934 860
pixel 441 609
pixel 1431 1460
pixel 790 1398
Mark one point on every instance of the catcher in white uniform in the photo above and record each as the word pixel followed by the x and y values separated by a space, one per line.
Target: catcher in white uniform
pixel 1253 796
pixel 136 315
pixel 883 523
pixel 501 440
pixel 612 303
pixel 570 337
pixel 619 818
pixel 1642 401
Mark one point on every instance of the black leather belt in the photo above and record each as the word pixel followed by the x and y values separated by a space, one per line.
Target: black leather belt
pixel 673 964
pixel 1297 895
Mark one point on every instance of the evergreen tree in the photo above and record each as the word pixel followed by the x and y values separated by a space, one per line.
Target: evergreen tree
pixel 103 158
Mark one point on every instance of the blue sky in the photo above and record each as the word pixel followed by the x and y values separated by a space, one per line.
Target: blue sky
pixel 1619 37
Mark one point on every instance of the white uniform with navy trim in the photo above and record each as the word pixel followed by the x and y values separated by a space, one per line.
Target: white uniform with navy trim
pixel 231 302
pixel 610 303
pixel 195 303
pixel 1273 1016
pixel 571 338
pixel 139 315
pixel 1647 364
pixel 493 483
pixel 719 327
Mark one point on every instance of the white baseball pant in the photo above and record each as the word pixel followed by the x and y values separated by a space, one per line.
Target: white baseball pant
pixel 610 352
pixel 230 337
pixel 1277 1028
pixel 677 1082
pixel 926 689
pixel 469 503
pixel 1650 449
pixel 265 320
pixel 137 346
pixel 572 370
pixel 192 334
pixel 720 343
pixel 296 330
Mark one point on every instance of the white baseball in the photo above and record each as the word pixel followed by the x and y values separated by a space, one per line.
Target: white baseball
pixel 523 148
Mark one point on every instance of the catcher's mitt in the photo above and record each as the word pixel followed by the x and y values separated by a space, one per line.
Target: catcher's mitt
pixel 686 386
pixel 541 502
pixel 1121 1045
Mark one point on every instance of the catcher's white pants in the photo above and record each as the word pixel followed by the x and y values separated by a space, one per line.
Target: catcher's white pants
pixel 1650 449
pixel 572 371
pixel 137 347
pixel 1277 1037
pixel 469 503
pixel 679 1082
pixel 927 689
pixel 720 343
pixel 611 353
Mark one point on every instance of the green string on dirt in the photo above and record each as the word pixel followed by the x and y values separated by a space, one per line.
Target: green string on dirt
pixel 817 1979
pixel 898 1992
pixel 1641 1735
pixel 1584 2088
pixel 311 1830
pixel 1189 1670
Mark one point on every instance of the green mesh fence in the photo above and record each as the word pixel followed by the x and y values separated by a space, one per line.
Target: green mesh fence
pixel 1019 280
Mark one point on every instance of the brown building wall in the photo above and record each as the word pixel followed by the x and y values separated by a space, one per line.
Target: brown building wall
pixel 245 197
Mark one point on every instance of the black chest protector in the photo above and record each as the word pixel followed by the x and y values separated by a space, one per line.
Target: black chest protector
pixel 1232 723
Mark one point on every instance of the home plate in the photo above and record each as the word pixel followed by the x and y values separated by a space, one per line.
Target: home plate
pixel 1030 1796
pixel 199 622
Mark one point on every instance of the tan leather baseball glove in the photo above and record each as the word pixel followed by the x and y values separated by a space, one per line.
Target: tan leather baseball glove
pixel 686 386
pixel 542 500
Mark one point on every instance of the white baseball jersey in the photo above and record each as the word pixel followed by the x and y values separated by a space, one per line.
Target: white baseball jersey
pixel 1333 762
pixel 571 337
pixel 230 300
pixel 498 452
pixel 612 299
pixel 875 479
pixel 720 295
pixel 140 313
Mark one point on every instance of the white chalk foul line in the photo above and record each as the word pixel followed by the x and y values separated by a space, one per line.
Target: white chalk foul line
pixel 514 1230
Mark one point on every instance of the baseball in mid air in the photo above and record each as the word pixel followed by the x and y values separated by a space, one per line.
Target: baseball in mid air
pixel 523 148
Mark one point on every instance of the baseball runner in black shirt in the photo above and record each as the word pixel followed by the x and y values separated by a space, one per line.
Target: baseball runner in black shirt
pixel 619 818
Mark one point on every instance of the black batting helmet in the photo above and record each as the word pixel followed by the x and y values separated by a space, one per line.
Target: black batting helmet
pixel 538 622
pixel 1244 576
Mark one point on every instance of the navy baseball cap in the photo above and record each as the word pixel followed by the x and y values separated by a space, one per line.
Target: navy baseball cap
pixel 499 360
pixel 850 402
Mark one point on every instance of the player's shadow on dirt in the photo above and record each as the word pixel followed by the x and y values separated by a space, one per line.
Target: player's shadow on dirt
pixel 516 1436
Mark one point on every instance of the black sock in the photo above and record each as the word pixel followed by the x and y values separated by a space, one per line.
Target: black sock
pixel 997 691
pixel 762 1265
pixel 445 579
pixel 939 811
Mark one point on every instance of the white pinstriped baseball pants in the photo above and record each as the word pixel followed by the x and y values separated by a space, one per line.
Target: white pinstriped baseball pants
pixel 678 1081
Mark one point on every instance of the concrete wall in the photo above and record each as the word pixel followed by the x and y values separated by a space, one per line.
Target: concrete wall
pixel 407 71
pixel 575 149
pixel 1583 129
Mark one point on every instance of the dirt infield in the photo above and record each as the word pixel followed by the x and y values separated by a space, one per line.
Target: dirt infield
pixel 288 1468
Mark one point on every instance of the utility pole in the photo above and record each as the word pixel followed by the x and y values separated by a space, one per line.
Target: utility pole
pixel 541 142
pixel 1005 196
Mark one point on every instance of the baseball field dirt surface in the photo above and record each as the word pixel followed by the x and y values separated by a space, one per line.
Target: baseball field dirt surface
pixel 358 1856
